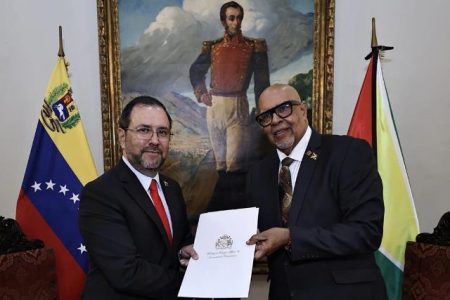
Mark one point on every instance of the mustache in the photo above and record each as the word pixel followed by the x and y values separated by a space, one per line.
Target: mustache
pixel 151 149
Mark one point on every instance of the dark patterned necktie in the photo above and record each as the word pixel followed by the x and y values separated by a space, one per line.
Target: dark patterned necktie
pixel 285 188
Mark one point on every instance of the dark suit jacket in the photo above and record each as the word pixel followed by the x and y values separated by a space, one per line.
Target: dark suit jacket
pixel 335 221
pixel 129 252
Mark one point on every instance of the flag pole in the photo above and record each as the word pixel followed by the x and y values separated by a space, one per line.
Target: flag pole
pixel 374 34
pixel 376 49
pixel 374 55
pixel 374 42
pixel 61 48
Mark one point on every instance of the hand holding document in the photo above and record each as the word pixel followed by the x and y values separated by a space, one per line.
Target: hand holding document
pixel 224 267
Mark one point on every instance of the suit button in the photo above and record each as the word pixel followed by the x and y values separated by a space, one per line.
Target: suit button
pixel 292 293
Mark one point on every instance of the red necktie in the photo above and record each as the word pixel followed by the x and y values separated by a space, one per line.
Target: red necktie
pixel 160 209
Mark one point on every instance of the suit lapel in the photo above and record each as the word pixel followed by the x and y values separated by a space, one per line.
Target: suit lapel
pixel 134 188
pixel 305 175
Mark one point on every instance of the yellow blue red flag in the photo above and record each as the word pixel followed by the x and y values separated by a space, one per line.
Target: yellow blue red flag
pixel 373 121
pixel 60 164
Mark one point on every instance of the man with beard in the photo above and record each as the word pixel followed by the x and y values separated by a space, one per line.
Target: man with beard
pixel 233 60
pixel 132 218
pixel 320 205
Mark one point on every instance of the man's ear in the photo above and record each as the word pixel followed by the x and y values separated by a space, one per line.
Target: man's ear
pixel 121 134
pixel 304 108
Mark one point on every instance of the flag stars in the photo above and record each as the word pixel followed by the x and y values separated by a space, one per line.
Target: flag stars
pixel 75 198
pixel 50 184
pixel 63 189
pixel 36 186
pixel 82 248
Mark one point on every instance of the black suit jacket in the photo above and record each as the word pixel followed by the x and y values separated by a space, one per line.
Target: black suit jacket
pixel 335 221
pixel 129 252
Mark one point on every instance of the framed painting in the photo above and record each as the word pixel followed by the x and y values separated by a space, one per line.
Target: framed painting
pixel 149 47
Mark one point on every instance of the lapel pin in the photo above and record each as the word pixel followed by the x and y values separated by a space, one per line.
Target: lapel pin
pixel 311 154
pixel 166 183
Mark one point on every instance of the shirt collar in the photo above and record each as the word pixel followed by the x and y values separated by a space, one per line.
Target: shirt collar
pixel 237 37
pixel 143 179
pixel 299 150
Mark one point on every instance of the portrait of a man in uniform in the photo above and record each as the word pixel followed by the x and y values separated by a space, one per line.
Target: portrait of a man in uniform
pixel 232 60
pixel 208 61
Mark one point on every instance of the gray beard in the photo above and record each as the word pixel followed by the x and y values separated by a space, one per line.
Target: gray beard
pixel 286 145
pixel 146 167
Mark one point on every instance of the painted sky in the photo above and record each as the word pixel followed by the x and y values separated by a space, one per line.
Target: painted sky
pixel 136 15
pixel 161 39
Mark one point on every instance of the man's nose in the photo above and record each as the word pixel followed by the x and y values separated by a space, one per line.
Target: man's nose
pixel 154 139
pixel 276 119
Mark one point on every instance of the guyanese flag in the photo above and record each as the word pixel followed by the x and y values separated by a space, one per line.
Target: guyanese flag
pixel 60 164
pixel 373 121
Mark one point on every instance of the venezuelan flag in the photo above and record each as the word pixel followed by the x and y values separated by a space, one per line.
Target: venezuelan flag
pixel 60 164
pixel 373 121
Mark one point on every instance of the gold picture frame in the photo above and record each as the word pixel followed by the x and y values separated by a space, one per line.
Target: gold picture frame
pixel 109 52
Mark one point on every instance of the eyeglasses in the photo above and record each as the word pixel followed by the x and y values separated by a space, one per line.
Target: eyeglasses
pixel 282 110
pixel 146 133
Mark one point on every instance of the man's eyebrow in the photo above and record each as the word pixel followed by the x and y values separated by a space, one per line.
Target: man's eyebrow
pixel 149 126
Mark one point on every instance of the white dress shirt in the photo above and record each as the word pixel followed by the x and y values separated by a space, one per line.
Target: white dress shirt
pixel 297 154
pixel 145 181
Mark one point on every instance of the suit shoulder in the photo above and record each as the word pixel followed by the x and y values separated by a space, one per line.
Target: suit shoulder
pixel 105 179
pixel 339 143
pixel 261 164
pixel 343 139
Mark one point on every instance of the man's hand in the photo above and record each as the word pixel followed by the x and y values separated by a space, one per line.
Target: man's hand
pixel 269 241
pixel 186 253
pixel 206 99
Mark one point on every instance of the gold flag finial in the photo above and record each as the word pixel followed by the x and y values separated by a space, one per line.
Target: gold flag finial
pixel 61 49
pixel 374 34
pixel 375 45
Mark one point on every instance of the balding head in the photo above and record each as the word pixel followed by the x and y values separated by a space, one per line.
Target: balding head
pixel 288 91
pixel 282 104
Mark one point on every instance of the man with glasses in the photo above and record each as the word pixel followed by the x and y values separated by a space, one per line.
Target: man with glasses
pixel 132 218
pixel 320 207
